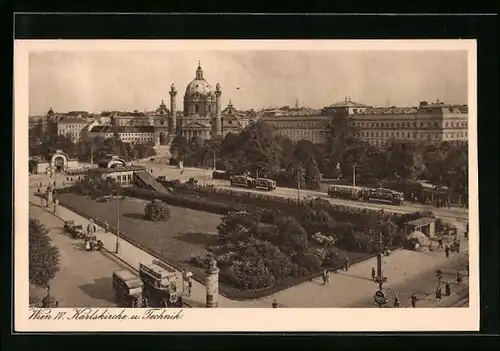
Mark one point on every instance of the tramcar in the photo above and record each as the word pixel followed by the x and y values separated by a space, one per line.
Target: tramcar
pixel 243 181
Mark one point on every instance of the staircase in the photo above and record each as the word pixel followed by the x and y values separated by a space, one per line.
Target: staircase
pixel 144 179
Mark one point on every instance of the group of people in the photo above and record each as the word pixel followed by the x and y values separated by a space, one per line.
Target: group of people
pixel 327 272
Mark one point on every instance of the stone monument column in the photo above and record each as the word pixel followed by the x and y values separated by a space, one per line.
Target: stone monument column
pixel 173 111
pixel 212 283
pixel 217 127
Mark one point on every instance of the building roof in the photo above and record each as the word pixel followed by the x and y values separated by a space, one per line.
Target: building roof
pixel 389 111
pixel 199 87
pixel 421 221
pixel 123 129
pixel 295 118
pixel 116 170
pixel 72 120
pixel 347 102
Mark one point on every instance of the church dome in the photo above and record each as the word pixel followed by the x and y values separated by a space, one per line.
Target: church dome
pixel 198 87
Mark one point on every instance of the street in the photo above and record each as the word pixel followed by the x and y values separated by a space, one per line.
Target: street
pixel 205 177
pixel 85 278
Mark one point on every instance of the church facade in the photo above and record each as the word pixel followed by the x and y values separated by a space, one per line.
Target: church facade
pixel 201 115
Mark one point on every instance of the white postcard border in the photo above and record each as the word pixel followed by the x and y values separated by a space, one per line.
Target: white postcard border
pixel 241 319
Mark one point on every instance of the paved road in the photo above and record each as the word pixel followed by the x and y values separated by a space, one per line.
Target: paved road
pixel 347 289
pixel 204 177
pixel 84 278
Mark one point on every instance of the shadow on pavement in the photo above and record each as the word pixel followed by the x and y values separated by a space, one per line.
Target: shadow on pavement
pixel 79 245
pixel 198 238
pixel 354 276
pixel 135 216
pixel 102 289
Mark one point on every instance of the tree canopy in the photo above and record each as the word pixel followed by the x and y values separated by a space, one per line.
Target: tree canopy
pixel 43 256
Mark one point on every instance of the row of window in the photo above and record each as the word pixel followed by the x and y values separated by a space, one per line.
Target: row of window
pixel 125 178
pixel 428 136
pixel 409 125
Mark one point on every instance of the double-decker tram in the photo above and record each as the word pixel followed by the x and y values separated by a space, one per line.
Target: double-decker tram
pixel 242 181
pixel 265 184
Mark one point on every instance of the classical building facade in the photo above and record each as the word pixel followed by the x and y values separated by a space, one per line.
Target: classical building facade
pixel 201 114
pixel 127 134
pixel 429 122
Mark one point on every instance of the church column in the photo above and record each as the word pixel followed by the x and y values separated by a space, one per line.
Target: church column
pixel 173 111
pixel 217 125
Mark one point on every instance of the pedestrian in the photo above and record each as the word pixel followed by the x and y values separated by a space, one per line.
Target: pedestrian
pixel 440 243
pixel 56 202
pixel 91 228
pixel 324 277
pixel 414 300
pixel 106 226
pixel 346 264
pixel 447 289
pixel 447 251
pixel 438 293
pixel 57 303
pixel 373 273
pixel 327 276
pixel 396 301
pixel 38 191
pixel 275 304
pixel 458 245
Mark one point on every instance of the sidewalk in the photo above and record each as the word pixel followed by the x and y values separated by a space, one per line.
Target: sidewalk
pixel 133 256
pixel 345 288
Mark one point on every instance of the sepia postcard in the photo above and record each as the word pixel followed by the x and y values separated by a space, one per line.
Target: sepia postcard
pixel 245 185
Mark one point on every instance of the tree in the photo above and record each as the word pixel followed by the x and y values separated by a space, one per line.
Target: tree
pixel 157 210
pixel 312 175
pixel 44 257
pixel 180 147
pixel 292 237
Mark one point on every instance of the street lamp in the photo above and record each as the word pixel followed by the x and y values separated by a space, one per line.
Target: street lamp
pixel 379 297
pixel 117 247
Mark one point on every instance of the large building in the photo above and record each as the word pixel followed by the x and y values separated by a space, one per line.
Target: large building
pixel 202 115
pixel 429 122
pixel 127 134
pixel 71 127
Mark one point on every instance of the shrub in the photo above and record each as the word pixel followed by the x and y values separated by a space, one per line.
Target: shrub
pixel 248 275
pixel 309 263
pixel 157 210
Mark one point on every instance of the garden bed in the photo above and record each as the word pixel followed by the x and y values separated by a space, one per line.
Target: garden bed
pixel 176 241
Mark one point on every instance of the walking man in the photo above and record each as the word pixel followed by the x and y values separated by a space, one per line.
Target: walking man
pixel 414 300
pixel 440 243
pixel 324 277
pixel 396 301
pixel 106 226
pixel 56 202
pixel 447 251
pixel 91 228
pixel 346 264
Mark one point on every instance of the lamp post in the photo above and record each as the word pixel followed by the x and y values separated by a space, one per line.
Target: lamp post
pixel 298 182
pixel 117 247
pixel 379 297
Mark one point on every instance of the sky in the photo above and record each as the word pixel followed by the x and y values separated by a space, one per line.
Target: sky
pixel 95 81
